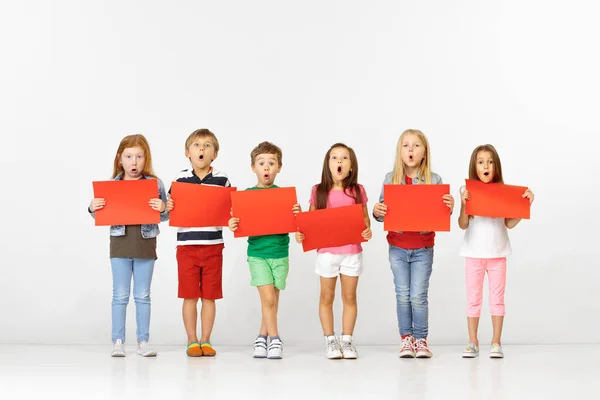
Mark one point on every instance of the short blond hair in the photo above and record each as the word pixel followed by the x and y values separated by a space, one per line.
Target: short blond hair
pixel 202 133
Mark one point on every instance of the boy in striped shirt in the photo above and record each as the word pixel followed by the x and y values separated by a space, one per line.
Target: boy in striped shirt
pixel 200 250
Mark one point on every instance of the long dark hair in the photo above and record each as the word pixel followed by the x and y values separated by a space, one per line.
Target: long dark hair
pixel 350 183
pixel 495 158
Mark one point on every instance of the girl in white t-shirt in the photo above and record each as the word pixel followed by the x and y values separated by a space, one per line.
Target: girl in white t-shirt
pixel 485 247
pixel 339 187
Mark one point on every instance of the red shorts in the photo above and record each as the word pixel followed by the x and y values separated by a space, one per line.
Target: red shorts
pixel 200 271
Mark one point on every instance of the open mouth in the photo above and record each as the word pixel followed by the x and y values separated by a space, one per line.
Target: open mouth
pixel 486 174
pixel 202 157
pixel 134 171
pixel 410 157
pixel 339 169
pixel 266 176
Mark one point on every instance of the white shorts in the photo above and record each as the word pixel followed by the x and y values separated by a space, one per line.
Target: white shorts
pixel 330 265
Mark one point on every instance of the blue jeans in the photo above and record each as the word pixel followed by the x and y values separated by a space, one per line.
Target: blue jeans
pixel 412 269
pixel 122 269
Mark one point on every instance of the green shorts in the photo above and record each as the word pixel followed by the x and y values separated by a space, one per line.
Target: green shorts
pixel 266 271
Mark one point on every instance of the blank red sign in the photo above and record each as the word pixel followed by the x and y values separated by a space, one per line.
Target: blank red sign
pixel 127 202
pixel 331 227
pixel 416 208
pixel 200 205
pixel 264 211
pixel 497 200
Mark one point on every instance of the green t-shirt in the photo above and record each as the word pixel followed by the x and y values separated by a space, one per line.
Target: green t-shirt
pixel 268 246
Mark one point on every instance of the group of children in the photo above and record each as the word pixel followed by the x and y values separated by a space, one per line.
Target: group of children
pixel 200 259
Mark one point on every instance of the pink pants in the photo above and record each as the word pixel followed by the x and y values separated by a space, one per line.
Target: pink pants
pixel 475 269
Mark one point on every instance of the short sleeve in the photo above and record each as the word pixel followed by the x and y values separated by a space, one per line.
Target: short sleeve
pixel 363 193
pixel 313 196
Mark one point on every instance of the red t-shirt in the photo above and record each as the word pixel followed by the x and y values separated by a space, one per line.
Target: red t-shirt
pixel 411 240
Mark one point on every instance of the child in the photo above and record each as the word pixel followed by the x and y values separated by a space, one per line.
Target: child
pixel 485 247
pixel 339 187
pixel 411 253
pixel 267 255
pixel 200 250
pixel 133 247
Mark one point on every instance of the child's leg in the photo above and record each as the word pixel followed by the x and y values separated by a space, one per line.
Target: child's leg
pixel 188 273
pixel 326 304
pixel 207 316
pixel 263 324
pixel 122 270
pixel 190 319
pixel 349 284
pixel 474 274
pixel 421 265
pixel 497 282
pixel 401 269
pixel 211 278
pixel 269 312
pixel 143 269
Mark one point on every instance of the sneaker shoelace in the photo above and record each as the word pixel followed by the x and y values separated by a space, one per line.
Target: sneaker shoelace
pixel 332 345
pixel 348 346
pixel 421 344
pixel 407 344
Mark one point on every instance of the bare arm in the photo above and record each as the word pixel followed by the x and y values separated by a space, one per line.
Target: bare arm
pixel 463 219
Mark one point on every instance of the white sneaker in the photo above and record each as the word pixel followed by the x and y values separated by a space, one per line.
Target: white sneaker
pixel 118 349
pixel 260 348
pixel 407 350
pixel 275 350
pixel 332 348
pixel 496 351
pixel 347 346
pixel 471 351
pixel 422 349
pixel 144 350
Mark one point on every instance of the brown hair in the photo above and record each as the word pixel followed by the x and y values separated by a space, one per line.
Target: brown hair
pixel 424 168
pixel 495 158
pixel 350 183
pixel 133 141
pixel 202 134
pixel 266 148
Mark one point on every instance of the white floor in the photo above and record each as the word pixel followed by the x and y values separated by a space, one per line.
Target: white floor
pixel 88 372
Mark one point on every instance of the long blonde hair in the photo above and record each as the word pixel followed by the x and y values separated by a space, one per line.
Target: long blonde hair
pixel 133 141
pixel 424 168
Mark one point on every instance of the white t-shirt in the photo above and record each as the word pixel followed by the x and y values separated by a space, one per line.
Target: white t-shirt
pixel 486 237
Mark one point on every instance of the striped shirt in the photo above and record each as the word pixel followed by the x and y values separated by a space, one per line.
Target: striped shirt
pixel 207 235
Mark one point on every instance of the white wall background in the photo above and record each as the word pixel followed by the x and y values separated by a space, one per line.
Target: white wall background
pixel 76 77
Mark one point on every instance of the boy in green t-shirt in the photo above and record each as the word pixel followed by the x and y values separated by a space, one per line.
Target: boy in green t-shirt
pixel 267 255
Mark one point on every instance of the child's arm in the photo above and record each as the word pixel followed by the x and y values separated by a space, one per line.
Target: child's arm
pixel 233 222
pixel 299 235
pixel 463 219
pixel 380 209
pixel 367 234
pixel 159 204
pixel 512 222
pixel 96 204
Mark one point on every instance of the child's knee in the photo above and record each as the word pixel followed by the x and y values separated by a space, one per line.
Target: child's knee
pixel 349 298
